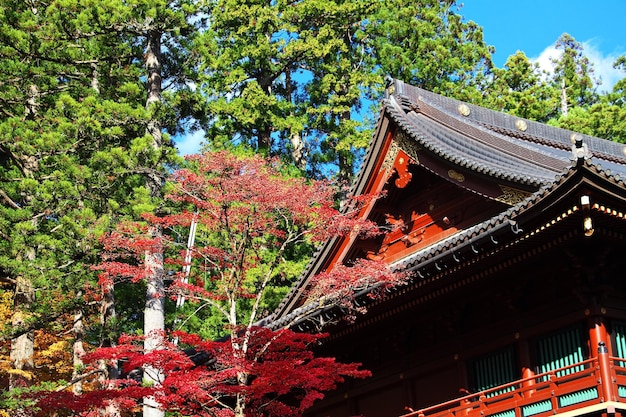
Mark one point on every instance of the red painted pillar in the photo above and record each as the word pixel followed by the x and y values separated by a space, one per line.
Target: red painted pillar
pixel 600 348
pixel 597 334
pixel 527 370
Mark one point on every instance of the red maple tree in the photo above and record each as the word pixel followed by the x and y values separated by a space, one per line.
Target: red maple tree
pixel 250 214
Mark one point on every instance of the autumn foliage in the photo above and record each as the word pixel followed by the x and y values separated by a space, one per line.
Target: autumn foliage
pixel 247 215
pixel 283 377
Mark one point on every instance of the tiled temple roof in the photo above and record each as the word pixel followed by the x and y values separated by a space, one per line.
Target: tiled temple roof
pixel 490 142
pixel 486 142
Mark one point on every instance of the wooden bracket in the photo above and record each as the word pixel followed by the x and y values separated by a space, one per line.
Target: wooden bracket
pixel 401 166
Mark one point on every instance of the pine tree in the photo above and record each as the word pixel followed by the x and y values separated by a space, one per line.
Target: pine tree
pixel 74 156
pixel 291 78
pixel 429 45
pixel 520 89
pixel 573 75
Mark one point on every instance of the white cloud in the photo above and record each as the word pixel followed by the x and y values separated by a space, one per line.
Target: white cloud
pixel 602 64
pixel 189 143
pixel 545 58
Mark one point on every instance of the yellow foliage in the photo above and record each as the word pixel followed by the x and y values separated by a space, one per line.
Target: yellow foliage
pixel 56 356
pixel 53 355
pixel 6 306
pixel 6 312
pixel 5 365
pixel 24 374
pixel 55 349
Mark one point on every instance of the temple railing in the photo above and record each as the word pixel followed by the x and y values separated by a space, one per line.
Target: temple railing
pixel 592 385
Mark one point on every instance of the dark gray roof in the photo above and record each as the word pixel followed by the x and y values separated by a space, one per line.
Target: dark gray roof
pixel 484 141
pixel 490 142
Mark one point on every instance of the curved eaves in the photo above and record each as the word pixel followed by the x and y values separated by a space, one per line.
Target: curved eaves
pixel 490 231
pixel 473 155
pixel 540 136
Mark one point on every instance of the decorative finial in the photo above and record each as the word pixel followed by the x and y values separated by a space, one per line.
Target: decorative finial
pixel 580 151
pixel 389 86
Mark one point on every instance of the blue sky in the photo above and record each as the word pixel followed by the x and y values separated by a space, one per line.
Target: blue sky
pixel 533 26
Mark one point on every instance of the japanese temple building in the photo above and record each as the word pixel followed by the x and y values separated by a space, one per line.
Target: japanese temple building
pixel 515 235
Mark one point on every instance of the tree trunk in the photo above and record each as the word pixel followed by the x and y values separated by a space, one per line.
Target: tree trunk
pixel 264 143
pixel 109 372
pixel 154 67
pixel 154 311
pixel 22 347
pixel 295 135
pixel 154 319
pixel 297 149
pixel 240 406
pixel 264 128
pixel 239 352
pixel 564 106
pixel 109 369
pixel 32 102
pixel 78 348
pixel 345 165
pixel 95 83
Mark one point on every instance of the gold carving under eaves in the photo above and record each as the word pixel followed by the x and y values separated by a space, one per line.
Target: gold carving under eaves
pixel 391 156
pixel 408 145
pixel 512 196
pixel 400 142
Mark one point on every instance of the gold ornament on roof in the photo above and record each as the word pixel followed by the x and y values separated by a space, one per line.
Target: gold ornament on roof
pixel 464 109
pixel 391 156
pixel 456 175
pixel 521 125
pixel 408 145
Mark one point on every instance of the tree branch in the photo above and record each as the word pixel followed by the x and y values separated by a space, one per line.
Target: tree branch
pixel 78 379
pixel 7 280
pixel 8 199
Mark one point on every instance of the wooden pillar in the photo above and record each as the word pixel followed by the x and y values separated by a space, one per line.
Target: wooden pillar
pixel 600 348
pixel 526 363
pixel 597 334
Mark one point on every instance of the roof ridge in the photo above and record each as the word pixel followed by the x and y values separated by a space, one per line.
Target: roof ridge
pixel 609 150
pixel 492 169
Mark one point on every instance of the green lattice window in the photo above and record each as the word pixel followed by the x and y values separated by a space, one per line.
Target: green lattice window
pixel 558 350
pixel 619 329
pixel 493 370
